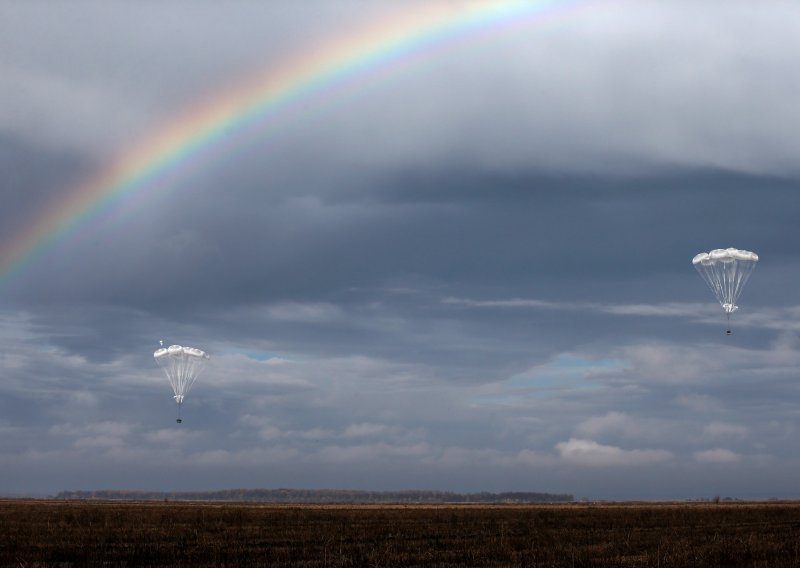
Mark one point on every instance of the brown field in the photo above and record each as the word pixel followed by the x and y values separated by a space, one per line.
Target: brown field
pixel 77 533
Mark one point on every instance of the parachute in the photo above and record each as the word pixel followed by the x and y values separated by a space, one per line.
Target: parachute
pixel 726 272
pixel 182 365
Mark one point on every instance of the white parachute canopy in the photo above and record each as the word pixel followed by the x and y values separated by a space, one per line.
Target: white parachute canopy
pixel 182 365
pixel 726 272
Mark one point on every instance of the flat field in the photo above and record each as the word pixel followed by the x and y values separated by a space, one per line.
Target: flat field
pixel 78 533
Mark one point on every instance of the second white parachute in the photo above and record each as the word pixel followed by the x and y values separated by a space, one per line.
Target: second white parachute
pixel 726 271
pixel 182 365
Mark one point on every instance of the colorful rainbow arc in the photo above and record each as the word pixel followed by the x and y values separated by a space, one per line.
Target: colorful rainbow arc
pixel 251 105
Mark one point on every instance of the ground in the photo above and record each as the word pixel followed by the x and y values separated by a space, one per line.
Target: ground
pixel 68 533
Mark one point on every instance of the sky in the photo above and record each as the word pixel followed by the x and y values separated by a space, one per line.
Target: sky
pixel 465 269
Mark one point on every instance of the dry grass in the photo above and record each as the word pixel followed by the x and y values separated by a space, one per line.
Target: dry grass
pixel 70 533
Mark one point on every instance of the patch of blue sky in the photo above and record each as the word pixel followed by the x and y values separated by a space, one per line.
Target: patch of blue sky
pixel 259 355
pixel 566 369
pixel 566 372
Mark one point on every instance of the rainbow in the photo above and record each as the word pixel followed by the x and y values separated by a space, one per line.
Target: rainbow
pixel 254 106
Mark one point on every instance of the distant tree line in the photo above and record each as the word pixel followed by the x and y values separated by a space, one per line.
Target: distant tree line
pixel 322 496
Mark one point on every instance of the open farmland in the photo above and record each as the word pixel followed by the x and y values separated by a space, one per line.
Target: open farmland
pixel 64 533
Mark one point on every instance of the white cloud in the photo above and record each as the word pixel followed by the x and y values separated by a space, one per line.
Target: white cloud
pixel 620 95
pixel 172 436
pixel 612 422
pixel 671 363
pixel 84 398
pixel 312 434
pixel 724 429
pixel 784 319
pixel 229 369
pixel 376 451
pixel 305 313
pixel 512 303
pixel 95 435
pixel 256 456
pixel 706 310
pixel 703 311
pixel 99 442
pixel 459 456
pixel 105 428
pixel 61 111
pixel 717 455
pixel 272 432
pixel 562 373
pixel 454 456
pixel 364 430
pixel 700 403
pixel 187 244
pixel 662 362
pixel 590 453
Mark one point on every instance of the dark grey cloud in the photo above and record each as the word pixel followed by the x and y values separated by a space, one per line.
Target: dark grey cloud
pixel 470 275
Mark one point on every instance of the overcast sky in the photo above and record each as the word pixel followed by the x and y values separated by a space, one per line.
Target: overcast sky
pixel 469 273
